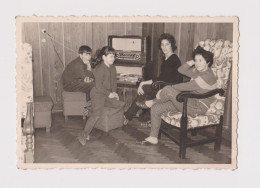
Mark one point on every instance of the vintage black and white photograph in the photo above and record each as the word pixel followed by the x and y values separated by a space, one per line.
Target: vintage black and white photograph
pixel 128 92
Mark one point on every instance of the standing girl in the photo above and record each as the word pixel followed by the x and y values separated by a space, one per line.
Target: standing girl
pixel 104 91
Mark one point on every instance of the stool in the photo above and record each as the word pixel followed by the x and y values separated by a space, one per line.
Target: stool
pixel 73 104
pixel 111 118
pixel 42 112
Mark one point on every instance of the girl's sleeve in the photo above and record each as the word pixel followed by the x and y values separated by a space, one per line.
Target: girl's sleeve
pixel 206 81
pixel 99 79
pixel 114 81
pixel 186 70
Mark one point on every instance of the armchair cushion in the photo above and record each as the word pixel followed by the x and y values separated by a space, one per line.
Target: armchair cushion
pixel 222 62
pixel 197 121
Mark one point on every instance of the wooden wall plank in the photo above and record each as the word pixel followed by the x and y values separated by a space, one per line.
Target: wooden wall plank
pixel 186 41
pixel 74 37
pixel 212 30
pixel 116 29
pixel 157 55
pixel 200 33
pixel 31 36
pixel 99 35
pixel 174 29
pixel 134 29
pixel 225 31
pixel 205 31
pixel 148 31
pixel 56 66
pixel 44 46
pixel 89 34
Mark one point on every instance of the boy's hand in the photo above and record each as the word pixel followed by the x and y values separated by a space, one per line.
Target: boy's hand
pixel 88 79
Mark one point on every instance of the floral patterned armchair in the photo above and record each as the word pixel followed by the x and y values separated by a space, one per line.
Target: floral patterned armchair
pixel 221 67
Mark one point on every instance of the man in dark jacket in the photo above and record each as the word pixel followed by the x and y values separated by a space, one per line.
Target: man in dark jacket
pixel 77 76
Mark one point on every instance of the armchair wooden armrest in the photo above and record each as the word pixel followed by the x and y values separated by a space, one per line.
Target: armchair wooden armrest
pixel 187 94
pixel 183 97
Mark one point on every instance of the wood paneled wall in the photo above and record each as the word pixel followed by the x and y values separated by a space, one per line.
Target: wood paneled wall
pixel 68 37
pixel 154 30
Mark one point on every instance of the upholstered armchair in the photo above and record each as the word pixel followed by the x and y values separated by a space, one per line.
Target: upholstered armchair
pixel 213 118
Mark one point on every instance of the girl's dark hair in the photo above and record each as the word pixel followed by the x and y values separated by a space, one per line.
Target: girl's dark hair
pixel 84 49
pixel 97 59
pixel 170 38
pixel 208 56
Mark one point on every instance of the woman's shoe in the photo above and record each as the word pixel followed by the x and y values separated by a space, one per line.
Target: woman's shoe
pixel 148 141
pixel 144 143
pixel 152 140
pixel 125 121
pixel 142 105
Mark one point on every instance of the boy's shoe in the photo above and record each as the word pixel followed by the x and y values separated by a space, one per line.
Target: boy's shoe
pixel 83 139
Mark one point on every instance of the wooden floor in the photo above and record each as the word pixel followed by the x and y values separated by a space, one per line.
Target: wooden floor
pixel 119 146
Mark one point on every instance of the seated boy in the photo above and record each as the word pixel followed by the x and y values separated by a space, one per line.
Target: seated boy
pixel 78 76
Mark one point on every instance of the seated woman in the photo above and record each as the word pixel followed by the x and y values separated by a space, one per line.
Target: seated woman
pixel 169 73
pixel 104 91
pixel 202 81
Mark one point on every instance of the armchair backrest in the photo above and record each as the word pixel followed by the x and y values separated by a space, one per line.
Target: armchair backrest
pixel 25 73
pixel 222 64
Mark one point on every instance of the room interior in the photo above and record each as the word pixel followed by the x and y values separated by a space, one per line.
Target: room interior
pixel 54 49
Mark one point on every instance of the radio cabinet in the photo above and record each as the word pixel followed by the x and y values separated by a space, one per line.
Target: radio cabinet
pixel 132 54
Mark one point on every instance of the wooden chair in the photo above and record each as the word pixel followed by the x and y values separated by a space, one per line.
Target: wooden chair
pixel 184 123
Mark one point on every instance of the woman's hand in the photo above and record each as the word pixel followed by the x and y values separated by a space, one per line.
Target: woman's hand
pixel 116 95
pixel 158 94
pixel 140 90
